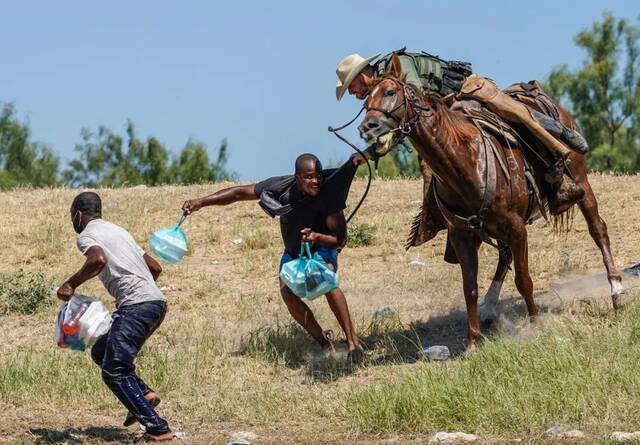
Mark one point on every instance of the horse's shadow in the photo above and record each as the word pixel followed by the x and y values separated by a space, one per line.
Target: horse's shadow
pixel 386 340
pixel 80 435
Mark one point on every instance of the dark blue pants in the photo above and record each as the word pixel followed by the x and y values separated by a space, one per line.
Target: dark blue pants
pixel 115 352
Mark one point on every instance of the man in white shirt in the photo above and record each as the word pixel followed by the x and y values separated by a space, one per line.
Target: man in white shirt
pixel 129 276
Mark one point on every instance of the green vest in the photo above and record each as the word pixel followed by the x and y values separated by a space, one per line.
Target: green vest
pixel 420 70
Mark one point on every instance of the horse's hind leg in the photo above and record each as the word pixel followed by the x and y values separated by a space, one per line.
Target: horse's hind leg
pixel 598 231
pixel 520 249
pixel 489 304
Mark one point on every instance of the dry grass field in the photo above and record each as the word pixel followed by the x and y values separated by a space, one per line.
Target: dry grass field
pixel 228 358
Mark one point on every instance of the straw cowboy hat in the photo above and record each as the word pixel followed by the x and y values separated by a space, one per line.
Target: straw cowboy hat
pixel 348 69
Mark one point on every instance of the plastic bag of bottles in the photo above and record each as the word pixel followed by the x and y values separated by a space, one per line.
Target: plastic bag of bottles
pixel 309 276
pixel 80 322
pixel 169 243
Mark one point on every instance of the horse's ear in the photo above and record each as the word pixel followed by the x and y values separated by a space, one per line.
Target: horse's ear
pixel 396 66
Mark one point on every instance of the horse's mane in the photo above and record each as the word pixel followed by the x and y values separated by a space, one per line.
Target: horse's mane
pixel 455 127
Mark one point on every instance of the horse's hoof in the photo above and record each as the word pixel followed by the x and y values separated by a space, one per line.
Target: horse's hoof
pixel 472 348
pixel 619 296
pixel 488 313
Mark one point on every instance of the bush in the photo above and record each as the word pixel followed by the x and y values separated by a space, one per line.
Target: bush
pixel 360 234
pixel 24 293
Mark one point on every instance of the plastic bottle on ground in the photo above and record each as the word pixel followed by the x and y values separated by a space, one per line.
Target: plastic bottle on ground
pixel 438 352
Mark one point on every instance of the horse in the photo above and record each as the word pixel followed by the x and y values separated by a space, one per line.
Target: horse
pixel 463 158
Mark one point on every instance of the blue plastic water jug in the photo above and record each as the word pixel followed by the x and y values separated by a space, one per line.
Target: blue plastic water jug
pixel 309 276
pixel 169 243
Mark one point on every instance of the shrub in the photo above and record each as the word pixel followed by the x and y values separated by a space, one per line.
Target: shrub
pixel 24 293
pixel 360 234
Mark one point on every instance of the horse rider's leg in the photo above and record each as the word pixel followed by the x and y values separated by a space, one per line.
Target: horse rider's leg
pixel 520 249
pixel 466 248
pixel 598 231
pixel 489 304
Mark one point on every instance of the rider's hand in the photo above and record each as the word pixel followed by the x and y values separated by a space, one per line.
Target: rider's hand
pixel 65 291
pixel 192 205
pixel 309 235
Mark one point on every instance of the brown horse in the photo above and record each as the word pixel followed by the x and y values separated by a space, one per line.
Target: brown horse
pixel 478 200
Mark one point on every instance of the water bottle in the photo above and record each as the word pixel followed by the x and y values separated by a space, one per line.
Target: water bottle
pixel 72 325
pixel 439 352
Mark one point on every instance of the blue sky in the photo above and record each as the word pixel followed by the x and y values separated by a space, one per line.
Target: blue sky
pixel 261 74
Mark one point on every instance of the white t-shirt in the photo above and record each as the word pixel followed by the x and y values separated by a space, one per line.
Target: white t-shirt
pixel 126 275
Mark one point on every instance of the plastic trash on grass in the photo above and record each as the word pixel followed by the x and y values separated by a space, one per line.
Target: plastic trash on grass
pixel 80 322
pixel 309 276
pixel 169 243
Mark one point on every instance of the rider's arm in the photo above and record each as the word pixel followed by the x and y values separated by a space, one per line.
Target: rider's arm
pixel 222 197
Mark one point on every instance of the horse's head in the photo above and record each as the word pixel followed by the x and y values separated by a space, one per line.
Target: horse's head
pixel 389 112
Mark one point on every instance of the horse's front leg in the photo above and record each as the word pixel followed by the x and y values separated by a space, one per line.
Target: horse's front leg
pixel 489 304
pixel 466 248
pixel 520 249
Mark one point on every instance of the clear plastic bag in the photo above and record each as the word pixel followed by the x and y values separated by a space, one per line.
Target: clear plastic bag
pixel 169 243
pixel 309 276
pixel 80 322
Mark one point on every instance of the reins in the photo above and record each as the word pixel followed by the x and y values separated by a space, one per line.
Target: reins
pixel 350 144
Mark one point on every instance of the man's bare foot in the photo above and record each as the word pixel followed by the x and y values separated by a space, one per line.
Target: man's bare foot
pixel 356 354
pixel 146 437
pixel 328 349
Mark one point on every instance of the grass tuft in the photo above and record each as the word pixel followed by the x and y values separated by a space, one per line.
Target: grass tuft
pixel 24 293
pixel 581 374
pixel 360 234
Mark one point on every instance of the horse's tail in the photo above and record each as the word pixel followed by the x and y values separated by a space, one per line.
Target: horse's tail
pixel 563 222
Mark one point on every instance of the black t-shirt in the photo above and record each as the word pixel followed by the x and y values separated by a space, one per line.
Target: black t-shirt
pixel 307 211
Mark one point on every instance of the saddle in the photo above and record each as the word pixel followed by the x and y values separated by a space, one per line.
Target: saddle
pixel 429 220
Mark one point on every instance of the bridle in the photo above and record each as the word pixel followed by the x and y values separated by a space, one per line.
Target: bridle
pixel 409 103
pixel 405 126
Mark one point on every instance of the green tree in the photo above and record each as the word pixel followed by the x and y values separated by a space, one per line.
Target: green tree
pixel 604 94
pixel 193 165
pixel 100 159
pixel 22 161
pixel 104 160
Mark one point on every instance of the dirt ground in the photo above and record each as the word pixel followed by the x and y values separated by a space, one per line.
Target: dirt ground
pixel 226 288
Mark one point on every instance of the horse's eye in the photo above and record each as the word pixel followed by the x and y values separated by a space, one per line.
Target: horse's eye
pixel 390 93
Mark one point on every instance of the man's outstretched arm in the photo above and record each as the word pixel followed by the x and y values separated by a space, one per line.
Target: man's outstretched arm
pixel 95 262
pixel 221 198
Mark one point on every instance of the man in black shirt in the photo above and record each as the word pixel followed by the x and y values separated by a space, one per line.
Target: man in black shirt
pixel 310 205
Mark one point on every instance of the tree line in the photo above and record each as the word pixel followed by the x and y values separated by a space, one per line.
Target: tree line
pixel 603 95
pixel 104 159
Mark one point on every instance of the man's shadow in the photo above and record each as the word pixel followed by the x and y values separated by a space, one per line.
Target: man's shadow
pixel 386 340
pixel 79 435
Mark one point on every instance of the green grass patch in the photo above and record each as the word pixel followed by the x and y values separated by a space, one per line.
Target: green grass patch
pixel 24 293
pixel 360 234
pixel 582 372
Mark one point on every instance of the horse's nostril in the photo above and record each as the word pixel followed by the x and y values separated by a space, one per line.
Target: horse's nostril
pixel 372 125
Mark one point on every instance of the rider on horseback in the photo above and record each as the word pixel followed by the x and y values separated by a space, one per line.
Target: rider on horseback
pixel 456 81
